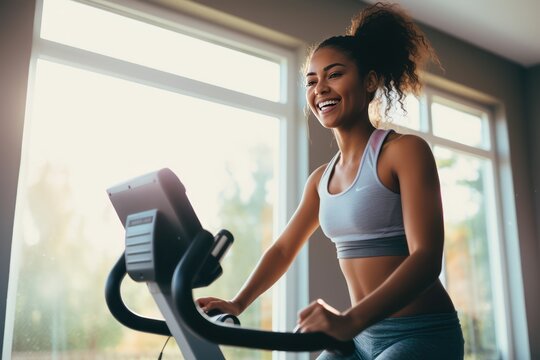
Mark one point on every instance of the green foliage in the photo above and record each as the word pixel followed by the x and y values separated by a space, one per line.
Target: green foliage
pixel 467 241
pixel 59 297
pixel 60 306
pixel 250 221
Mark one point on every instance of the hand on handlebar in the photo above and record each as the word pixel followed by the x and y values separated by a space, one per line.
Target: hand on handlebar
pixel 319 316
pixel 208 304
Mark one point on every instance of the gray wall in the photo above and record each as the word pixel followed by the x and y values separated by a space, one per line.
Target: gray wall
pixel 532 96
pixel 532 93
pixel 16 22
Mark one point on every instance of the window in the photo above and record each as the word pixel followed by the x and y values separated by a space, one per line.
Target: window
pixel 461 135
pixel 117 100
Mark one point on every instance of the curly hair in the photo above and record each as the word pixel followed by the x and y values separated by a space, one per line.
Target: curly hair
pixel 384 39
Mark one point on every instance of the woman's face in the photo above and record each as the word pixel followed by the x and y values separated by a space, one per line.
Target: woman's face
pixel 334 91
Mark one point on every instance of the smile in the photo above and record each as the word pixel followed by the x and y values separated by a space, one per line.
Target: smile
pixel 327 104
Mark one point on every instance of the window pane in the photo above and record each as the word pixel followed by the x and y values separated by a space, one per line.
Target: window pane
pixel 468 272
pixel 74 24
pixel 88 132
pixel 461 126
pixel 410 117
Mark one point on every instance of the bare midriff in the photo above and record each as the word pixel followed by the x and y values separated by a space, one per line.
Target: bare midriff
pixel 364 275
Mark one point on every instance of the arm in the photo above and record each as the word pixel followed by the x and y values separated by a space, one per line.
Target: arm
pixel 414 167
pixel 279 256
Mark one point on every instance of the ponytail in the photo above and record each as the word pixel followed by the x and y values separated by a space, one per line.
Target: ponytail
pixel 382 38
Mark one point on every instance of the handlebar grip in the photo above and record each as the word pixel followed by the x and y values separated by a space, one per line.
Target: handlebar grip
pixel 225 319
pixel 221 317
pixel 121 312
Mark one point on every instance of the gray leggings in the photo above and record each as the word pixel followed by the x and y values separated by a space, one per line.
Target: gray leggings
pixel 431 336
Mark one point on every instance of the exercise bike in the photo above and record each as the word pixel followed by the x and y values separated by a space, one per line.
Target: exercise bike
pixel 167 248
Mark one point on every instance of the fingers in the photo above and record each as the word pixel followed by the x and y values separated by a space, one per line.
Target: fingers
pixel 208 304
pixel 318 316
pixel 318 305
pixel 202 302
pixel 212 305
pixel 309 316
pixel 314 306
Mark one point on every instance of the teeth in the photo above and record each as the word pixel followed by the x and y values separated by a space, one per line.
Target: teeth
pixel 327 103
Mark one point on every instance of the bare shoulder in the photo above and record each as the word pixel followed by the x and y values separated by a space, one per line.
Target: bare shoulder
pixel 317 173
pixel 399 142
pixel 314 178
pixel 408 147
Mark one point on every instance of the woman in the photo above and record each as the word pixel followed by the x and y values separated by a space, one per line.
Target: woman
pixel 378 199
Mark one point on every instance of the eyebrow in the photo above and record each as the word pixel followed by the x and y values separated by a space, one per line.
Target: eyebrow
pixel 326 68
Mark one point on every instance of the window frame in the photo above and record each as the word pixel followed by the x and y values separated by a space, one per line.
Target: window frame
pixel 505 262
pixel 290 292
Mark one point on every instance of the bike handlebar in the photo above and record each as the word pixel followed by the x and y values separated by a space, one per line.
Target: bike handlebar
pixel 181 287
pixel 121 312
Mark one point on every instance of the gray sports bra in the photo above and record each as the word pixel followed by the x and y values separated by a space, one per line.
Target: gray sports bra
pixel 366 218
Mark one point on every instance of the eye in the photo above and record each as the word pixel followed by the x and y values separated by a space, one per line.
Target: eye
pixel 310 83
pixel 335 74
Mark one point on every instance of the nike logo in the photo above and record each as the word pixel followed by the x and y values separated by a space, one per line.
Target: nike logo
pixel 360 188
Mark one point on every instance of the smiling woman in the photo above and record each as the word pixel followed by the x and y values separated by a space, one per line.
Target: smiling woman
pixel 378 199
pixel 336 81
pixel 389 234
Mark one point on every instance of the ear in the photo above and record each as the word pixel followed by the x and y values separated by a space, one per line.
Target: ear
pixel 371 81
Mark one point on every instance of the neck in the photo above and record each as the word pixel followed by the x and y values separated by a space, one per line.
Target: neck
pixel 353 140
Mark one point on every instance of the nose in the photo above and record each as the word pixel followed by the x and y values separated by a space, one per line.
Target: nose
pixel 321 87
